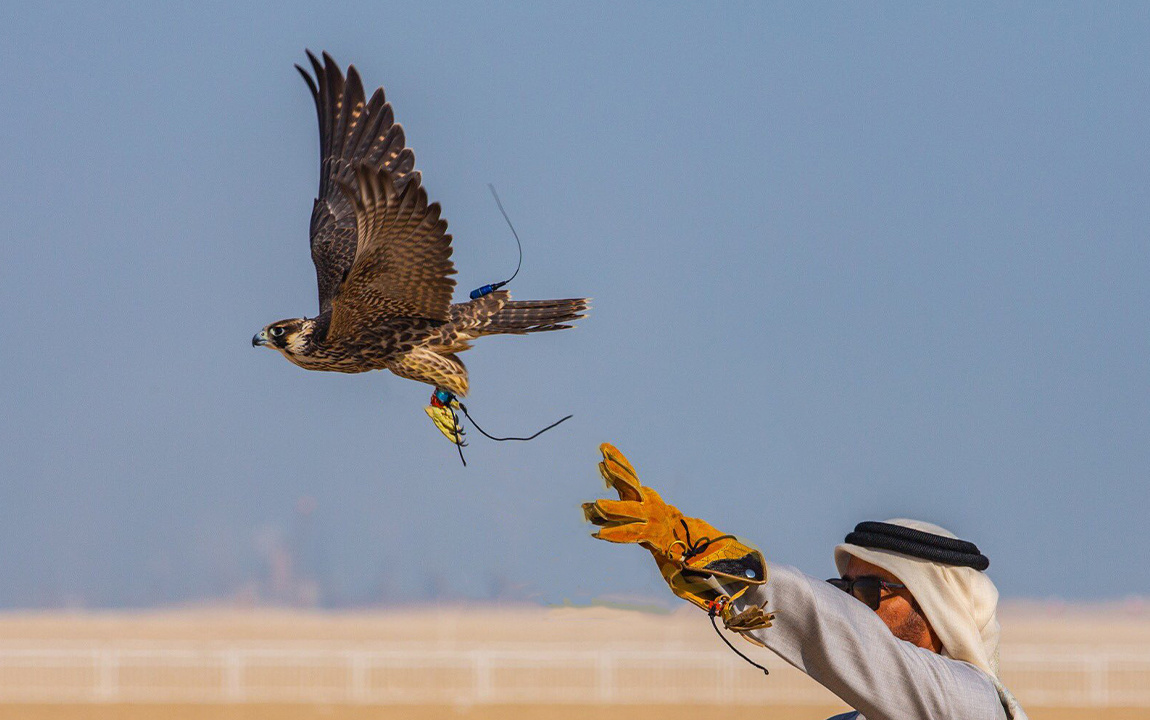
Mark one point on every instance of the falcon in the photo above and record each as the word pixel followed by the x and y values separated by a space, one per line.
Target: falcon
pixel 382 258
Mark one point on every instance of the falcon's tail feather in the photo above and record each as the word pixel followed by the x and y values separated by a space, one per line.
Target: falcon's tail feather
pixel 518 317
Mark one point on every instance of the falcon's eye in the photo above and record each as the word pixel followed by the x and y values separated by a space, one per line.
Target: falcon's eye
pixel 277 332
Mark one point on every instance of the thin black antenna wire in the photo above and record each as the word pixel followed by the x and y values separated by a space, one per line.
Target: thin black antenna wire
pixel 517 241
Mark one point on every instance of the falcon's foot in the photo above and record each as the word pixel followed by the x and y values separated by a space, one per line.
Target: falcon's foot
pixel 441 410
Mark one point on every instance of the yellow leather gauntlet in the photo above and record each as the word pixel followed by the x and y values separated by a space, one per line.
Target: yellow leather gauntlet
pixel 700 564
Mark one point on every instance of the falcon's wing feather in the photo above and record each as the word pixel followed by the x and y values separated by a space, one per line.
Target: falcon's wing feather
pixel 351 132
pixel 402 264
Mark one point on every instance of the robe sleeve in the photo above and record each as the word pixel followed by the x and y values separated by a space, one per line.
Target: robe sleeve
pixel 846 648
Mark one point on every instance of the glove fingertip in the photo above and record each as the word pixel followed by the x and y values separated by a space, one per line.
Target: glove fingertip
pixel 591 514
pixel 612 454
pixel 621 471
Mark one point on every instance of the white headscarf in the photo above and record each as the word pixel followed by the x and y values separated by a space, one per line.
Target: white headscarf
pixel 960 603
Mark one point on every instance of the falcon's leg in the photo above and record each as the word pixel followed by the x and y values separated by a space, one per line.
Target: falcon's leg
pixel 449 377
pixel 424 365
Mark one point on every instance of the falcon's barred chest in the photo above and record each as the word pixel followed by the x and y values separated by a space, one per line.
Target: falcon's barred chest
pixel 370 349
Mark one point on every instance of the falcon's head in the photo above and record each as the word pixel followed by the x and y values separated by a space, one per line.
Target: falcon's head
pixel 290 337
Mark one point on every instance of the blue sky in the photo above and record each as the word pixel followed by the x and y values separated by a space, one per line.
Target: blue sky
pixel 847 263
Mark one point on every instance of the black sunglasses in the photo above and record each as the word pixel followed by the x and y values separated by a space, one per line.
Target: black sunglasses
pixel 867 588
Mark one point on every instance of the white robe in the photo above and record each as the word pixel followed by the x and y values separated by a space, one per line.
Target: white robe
pixel 846 648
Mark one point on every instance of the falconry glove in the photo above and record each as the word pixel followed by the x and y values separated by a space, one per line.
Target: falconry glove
pixel 700 564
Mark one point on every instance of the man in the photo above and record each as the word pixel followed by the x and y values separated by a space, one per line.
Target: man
pixel 909 630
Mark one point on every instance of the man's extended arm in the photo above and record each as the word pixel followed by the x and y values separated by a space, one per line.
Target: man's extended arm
pixel 844 646
pixel 822 631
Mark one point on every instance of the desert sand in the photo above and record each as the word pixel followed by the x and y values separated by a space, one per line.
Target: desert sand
pixel 1045 630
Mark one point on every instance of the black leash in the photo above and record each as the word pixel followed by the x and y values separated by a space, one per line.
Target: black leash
pixel 693 548
pixel 460 443
pixel 714 611
pixel 444 399
pixel 502 439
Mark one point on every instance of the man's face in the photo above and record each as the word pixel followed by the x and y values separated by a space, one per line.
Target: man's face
pixel 897 608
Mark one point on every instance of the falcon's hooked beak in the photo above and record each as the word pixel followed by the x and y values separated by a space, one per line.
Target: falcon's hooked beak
pixel 260 338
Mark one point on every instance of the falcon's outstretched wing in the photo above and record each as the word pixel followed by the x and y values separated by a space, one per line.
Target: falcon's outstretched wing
pixel 351 132
pixel 402 264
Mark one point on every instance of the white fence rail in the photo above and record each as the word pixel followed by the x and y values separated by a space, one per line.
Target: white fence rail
pixel 520 675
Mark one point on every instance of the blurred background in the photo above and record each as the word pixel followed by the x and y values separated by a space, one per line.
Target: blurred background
pixel 848 263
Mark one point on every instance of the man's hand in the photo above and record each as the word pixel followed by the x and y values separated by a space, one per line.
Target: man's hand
pixel 701 565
